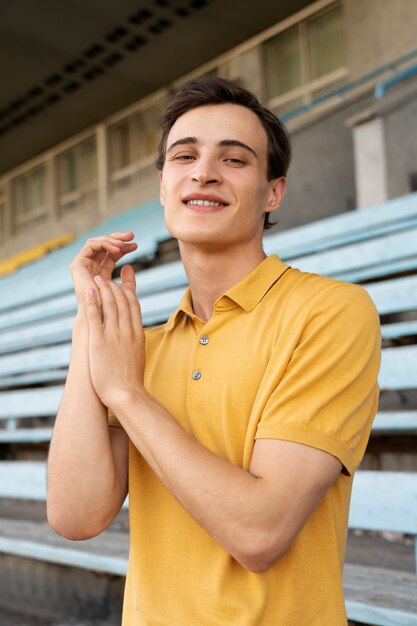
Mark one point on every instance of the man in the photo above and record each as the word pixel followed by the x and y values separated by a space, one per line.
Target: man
pixel 243 418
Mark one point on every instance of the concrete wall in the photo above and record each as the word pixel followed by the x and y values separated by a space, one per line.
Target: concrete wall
pixel 401 154
pixel 321 178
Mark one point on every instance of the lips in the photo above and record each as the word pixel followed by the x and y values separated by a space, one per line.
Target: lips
pixel 200 200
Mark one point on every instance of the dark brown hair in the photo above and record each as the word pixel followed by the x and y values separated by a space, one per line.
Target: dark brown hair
pixel 215 90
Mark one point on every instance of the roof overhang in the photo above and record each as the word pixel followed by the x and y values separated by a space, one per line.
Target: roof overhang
pixel 67 65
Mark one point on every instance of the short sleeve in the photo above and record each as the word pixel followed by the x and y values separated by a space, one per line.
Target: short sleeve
pixel 327 397
pixel 112 420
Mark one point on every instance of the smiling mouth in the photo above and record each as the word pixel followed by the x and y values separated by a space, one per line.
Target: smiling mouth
pixel 207 203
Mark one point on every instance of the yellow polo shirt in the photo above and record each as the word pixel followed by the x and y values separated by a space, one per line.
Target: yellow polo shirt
pixel 286 355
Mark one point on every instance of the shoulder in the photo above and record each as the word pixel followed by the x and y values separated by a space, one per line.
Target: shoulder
pixel 312 291
pixel 302 303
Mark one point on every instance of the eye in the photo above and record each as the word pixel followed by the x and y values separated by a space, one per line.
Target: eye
pixel 235 161
pixel 183 157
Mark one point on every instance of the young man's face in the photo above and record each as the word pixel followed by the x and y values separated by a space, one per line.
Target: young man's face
pixel 213 185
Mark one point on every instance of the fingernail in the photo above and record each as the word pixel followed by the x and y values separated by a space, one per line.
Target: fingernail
pixel 91 292
pixel 98 278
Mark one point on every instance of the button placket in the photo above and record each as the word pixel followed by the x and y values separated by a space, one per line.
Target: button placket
pixel 199 359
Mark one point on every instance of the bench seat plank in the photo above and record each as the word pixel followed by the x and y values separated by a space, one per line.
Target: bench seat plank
pixel 41 402
pixel 34 378
pixel 63 304
pixel 23 480
pixel 399 329
pixel 398 368
pixel 377 255
pixel 380 596
pixel 25 435
pixel 106 553
pixel 395 295
pixel 384 501
pixel 40 334
pixel 26 480
pixel 395 421
pixel 349 227
pixel 36 360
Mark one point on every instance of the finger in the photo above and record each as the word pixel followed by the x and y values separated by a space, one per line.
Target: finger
pixel 109 306
pixel 92 247
pixel 98 247
pixel 135 310
pixel 124 235
pixel 128 277
pixel 122 303
pixel 93 315
pixel 124 249
pixel 109 259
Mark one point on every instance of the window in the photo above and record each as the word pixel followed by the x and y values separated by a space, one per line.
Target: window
pixel 29 198
pixel 77 176
pixel 120 149
pixel 148 130
pixel 306 61
pixel 132 147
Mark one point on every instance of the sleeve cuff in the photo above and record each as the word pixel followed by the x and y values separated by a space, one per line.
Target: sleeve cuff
pixel 315 439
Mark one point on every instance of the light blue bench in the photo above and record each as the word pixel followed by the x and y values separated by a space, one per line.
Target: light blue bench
pixel 380 501
pixel 377 246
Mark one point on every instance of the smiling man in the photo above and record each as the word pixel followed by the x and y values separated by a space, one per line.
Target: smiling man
pixel 239 423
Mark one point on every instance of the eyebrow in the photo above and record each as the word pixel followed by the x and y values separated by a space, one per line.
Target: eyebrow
pixel 223 142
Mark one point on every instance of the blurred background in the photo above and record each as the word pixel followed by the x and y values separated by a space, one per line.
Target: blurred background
pixel 83 87
pixel 83 84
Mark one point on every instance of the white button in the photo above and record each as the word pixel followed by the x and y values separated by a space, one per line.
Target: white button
pixel 204 340
pixel 196 375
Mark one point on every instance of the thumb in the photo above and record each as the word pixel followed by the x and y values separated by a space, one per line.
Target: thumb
pixel 128 277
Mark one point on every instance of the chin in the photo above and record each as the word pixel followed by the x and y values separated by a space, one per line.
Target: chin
pixel 196 233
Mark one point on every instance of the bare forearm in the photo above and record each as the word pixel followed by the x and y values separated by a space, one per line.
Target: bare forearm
pixel 82 479
pixel 226 500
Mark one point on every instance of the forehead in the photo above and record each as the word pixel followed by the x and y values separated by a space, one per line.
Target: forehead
pixel 215 122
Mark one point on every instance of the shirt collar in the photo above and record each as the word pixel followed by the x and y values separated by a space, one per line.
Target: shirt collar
pixel 185 308
pixel 247 293
pixel 250 291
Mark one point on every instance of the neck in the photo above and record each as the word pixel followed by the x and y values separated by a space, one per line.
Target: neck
pixel 210 273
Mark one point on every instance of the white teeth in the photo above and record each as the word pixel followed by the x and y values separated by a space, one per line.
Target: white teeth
pixel 203 203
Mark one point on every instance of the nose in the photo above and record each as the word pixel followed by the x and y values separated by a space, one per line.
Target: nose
pixel 206 171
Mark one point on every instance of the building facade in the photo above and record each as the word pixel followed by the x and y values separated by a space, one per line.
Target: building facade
pixel 340 73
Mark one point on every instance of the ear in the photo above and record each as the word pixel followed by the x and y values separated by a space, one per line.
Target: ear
pixel 161 190
pixel 277 190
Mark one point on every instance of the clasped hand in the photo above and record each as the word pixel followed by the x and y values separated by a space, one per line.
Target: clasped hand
pixel 117 342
